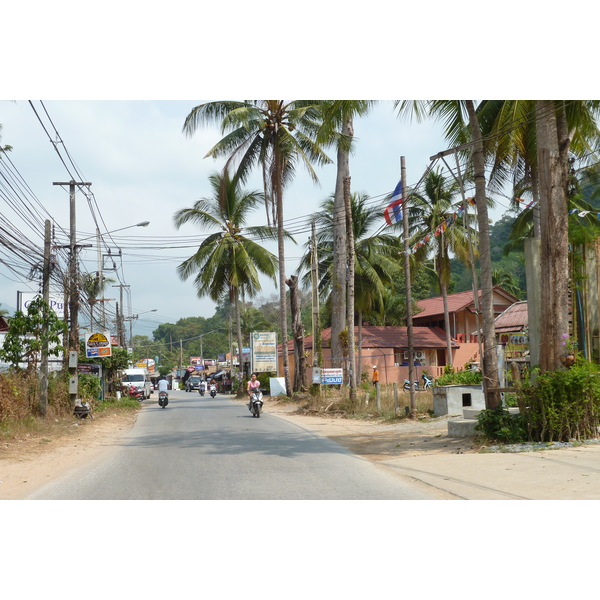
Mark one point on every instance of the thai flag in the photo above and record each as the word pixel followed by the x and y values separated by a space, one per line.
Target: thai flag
pixel 393 212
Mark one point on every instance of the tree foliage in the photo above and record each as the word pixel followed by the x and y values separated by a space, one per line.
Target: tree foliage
pixel 28 332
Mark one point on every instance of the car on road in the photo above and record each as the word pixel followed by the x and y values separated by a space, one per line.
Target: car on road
pixel 193 383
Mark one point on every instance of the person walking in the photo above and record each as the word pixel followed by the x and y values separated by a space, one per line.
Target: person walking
pixel 375 375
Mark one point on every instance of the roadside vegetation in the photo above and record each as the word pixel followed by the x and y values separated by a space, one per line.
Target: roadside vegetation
pixel 19 415
pixel 561 406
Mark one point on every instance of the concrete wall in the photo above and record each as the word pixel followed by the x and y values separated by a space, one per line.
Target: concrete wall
pixel 452 399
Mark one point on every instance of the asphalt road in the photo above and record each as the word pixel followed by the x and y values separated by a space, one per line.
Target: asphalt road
pixel 200 448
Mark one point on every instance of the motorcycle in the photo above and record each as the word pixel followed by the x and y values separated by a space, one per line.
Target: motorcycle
pixel 256 403
pixel 407 385
pixel 134 392
pixel 201 390
pixel 213 390
pixel 427 383
pixel 163 399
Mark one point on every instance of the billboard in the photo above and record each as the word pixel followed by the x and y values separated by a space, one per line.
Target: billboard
pixel 55 301
pixel 97 345
pixel 332 376
pixel 263 351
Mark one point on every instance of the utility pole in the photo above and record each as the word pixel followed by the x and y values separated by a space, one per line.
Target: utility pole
pixel 120 327
pixel 73 345
pixel 43 401
pixel 407 281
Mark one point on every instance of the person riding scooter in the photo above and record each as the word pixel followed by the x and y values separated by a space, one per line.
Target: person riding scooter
pixel 253 384
pixel 163 385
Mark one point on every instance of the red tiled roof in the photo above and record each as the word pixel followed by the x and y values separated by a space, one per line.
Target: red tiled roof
pixel 387 337
pixel 456 302
pixel 514 318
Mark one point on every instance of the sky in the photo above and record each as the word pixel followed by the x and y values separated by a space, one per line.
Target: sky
pixel 142 167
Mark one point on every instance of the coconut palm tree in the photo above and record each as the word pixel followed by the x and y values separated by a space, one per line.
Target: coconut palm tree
pixel 228 260
pixel 276 135
pixel 538 139
pixel 377 258
pixel 428 213
pixel 93 288
pixel 338 129
pixel 461 126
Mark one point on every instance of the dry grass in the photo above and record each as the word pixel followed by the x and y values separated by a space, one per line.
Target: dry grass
pixel 390 405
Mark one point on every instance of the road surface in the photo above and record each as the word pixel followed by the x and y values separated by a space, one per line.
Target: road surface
pixel 200 448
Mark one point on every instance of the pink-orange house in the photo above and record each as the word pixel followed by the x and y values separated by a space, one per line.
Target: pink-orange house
pixel 385 347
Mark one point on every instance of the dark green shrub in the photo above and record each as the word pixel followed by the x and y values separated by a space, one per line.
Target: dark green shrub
pixel 499 425
pixel 89 387
pixel 459 378
pixel 563 404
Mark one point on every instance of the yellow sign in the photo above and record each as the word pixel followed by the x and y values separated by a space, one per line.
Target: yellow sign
pixel 97 345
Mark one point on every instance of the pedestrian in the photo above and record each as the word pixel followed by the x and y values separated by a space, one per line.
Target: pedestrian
pixel 375 375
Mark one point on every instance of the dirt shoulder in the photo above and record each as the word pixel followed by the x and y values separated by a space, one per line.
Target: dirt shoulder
pixel 373 438
pixel 32 461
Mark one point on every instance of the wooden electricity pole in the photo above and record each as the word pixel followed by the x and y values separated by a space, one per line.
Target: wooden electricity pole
pixel 43 397
pixel 73 286
pixel 407 282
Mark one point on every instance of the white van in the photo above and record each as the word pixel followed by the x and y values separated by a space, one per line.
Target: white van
pixel 140 379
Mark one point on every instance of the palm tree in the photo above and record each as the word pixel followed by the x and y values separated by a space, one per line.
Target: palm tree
pixel 227 261
pixel 338 129
pixel 377 259
pixel 537 138
pixel 427 213
pixel 92 287
pixel 462 127
pixel 276 135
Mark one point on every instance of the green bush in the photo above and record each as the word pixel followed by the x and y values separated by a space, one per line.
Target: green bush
pixel 459 378
pixel 89 387
pixel 501 426
pixel 563 404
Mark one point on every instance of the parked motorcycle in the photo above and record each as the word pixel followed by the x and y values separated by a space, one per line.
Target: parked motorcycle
pixel 427 383
pixel 407 386
pixel 134 392
pixel 163 399
pixel 213 390
pixel 256 403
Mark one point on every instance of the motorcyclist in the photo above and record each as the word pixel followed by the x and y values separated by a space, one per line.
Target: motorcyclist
pixel 163 385
pixel 253 384
pixel 203 386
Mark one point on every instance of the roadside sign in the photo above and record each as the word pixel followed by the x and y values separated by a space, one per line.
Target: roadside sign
pixel 97 345
pixel 332 376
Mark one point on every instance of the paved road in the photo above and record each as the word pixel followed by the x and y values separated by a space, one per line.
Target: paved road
pixel 204 448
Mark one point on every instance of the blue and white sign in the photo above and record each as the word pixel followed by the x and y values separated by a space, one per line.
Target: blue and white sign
pixel 332 376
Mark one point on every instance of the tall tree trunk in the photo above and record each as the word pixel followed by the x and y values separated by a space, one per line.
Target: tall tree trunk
pixel 350 299
pixel 359 368
pixel 278 187
pixel 298 334
pixel 554 264
pixel 338 279
pixel 236 299
pixel 490 361
pixel 444 290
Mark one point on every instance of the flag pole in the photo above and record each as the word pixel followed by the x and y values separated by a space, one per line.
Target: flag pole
pixel 409 322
